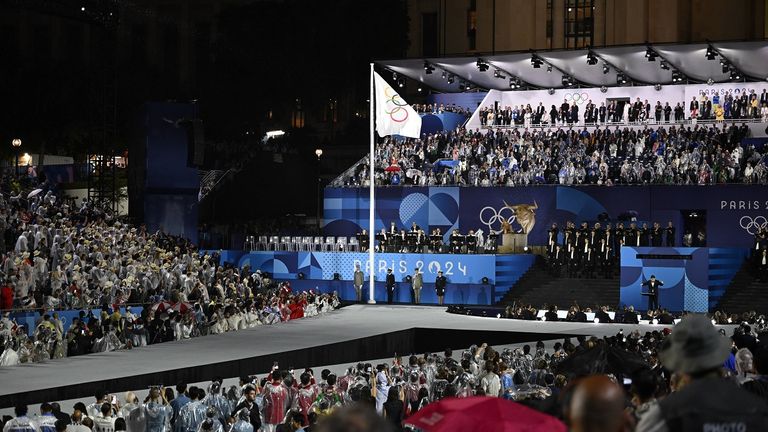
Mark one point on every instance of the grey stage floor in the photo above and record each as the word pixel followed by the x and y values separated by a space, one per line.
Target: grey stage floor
pixel 352 322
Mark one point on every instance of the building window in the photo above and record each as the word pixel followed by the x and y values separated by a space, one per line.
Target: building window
pixel 472 25
pixel 579 29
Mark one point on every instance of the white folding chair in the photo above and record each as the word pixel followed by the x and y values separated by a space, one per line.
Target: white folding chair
pixel 274 243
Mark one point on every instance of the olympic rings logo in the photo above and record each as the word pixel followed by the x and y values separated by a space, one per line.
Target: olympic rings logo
pixel 577 98
pixel 491 217
pixel 753 225
pixel 398 113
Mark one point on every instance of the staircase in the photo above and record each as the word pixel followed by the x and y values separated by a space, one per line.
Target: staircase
pixel 745 293
pixel 538 287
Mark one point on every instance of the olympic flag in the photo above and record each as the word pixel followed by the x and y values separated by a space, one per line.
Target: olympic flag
pixel 393 115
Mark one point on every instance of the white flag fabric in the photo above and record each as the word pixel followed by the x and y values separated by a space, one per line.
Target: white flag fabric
pixel 393 115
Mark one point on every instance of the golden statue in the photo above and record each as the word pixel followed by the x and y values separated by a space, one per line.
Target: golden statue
pixel 525 215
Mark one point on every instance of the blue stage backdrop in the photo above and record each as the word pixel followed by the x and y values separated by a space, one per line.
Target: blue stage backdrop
pixel 459 269
pixel 694 278
pixel 465 273
pixel 732 212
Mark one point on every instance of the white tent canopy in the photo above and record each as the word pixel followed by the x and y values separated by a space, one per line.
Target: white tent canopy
pixel 749 59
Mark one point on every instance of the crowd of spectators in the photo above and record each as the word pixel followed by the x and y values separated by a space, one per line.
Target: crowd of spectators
pixel 58 257
pixel 717 106
pixel 440 108
pixel 700 154
pixel 670 378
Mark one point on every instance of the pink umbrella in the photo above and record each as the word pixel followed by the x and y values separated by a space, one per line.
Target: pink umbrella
pixel 481 413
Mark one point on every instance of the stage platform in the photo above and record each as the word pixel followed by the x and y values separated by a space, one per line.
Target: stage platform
pixel 342 336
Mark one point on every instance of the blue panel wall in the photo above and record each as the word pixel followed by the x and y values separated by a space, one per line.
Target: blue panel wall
pixel 686 283
pixel 730 209
pixel 464 272
pixel 458 269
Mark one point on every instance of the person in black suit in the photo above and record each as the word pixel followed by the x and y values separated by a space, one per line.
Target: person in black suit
pixel 602 315
pixel 656 235
pixel 629 316
pixel 440 283
pixel 653 285
pixel 551 314
pixel 390 283
pixel 669 234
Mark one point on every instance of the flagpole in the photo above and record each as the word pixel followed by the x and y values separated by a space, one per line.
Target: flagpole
pixel 372 202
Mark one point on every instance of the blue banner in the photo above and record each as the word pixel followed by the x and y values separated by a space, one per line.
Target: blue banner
pixel 458 269
pixel 730 214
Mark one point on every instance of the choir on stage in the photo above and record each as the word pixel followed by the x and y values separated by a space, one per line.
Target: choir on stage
pixel 586 251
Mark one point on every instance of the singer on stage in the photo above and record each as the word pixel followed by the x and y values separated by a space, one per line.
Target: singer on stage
pixel 653 285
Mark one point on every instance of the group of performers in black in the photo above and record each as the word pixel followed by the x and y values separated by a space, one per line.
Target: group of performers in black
pixel 417 240
pixel 759 255
pixel 588 251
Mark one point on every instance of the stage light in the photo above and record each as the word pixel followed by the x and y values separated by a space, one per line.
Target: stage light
pixel 591 58
pixel 536 62
pixel 419 89
pixel 428 68
pixel 603 89
pixel 606 69
pixel 394 76
pixel 711 53
pixel 725 67
pixel 664 65
pixel 451 79
pixel 549 68
pixel 300 275
pixel 657 87
pixel 596 320
pixel 401 82
pixel 336 276
pixel 735 75
pixel 444 75
pixel 621 78
pixel 551 91
pixel 650 54
pixel 484 280
pixel 482 66
pixel 710 81
pixel 565 80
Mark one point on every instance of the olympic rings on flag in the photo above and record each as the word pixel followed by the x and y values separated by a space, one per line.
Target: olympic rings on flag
pixel 398 104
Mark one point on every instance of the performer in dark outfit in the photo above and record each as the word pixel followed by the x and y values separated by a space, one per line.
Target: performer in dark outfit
pixel 440 283
pixel 653 285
